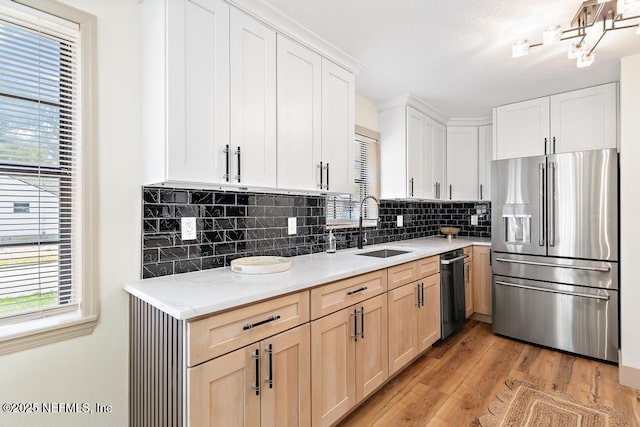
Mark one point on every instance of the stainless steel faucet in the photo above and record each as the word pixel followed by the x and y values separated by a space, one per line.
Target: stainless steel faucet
pixel 360 240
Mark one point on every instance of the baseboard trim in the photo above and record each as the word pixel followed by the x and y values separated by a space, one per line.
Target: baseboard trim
pixel 629 376
pixel 482 318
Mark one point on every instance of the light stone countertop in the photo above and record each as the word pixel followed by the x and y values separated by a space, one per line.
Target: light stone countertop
pixel 190 295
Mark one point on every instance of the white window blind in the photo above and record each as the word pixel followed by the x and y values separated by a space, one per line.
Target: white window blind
pixel 345 208
pixel 40 171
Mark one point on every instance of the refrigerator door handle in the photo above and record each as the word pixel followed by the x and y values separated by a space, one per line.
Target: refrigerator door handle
pixel 552 205
pixel 548 264
pixel 542 229
pixel 553 291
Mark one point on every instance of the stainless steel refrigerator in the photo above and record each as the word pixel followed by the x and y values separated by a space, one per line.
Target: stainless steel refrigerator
pixel 555 251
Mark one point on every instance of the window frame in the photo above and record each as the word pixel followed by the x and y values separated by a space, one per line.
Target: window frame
pixel 367 222
pixel 34 332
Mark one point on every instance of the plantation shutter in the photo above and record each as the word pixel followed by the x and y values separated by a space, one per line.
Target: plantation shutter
pixel 40 149
pixel 345 209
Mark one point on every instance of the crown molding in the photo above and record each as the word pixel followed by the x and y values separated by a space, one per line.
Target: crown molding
pixel 415 102
pixel 470 121
pixel 287 26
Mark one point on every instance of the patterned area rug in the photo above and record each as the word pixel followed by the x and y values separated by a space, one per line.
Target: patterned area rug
pixel 523 405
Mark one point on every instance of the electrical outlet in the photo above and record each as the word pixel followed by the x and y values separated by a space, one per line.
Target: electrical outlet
pixel 474 219
pixel 188 228
pixel 399 221
pixel 293 223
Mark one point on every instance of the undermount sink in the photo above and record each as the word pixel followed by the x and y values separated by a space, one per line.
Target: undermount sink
pixel 384 253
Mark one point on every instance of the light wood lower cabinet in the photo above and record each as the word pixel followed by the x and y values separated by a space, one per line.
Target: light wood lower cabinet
pixel 414 320
pixel 468 289
pixel 349 358
pixel 482 280
pixel 266 384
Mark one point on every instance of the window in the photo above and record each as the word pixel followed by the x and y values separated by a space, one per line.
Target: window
pixel 45 217
pixel 20 207
pixel 345 209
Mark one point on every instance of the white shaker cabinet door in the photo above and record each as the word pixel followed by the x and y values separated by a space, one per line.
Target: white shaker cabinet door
pixel 485 148
pixel 584 119
pixel 436 161
pixel 253 102
pixel 299 116
pixel 338 125
pixel 415 149
pixel 522 129
pixel 462 163
pixel 197 90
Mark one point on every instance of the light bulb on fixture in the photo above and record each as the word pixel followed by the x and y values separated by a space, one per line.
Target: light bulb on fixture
pixel 552 34
pixel 520 48
pixel 585 59
pixel 576 49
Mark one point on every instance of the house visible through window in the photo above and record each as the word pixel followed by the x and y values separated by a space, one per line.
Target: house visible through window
pixel 39 166
pixel 345 209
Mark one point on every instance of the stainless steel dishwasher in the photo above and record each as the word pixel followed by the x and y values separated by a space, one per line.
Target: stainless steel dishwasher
pixel 452 304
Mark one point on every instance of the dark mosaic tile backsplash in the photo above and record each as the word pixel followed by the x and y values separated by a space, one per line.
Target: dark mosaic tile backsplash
pixel 237 224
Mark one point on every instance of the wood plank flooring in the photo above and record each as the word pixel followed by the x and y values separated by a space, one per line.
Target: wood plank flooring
pixel 453 383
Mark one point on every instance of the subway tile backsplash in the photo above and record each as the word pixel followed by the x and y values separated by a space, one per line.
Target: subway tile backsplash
pixel 231 225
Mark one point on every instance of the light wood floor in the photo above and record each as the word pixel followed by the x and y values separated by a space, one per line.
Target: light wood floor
pixel 454 382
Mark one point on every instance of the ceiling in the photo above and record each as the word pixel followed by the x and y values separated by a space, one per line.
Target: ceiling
pixel 456 55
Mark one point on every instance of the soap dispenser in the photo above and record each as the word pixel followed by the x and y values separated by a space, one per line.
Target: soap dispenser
pixel 331 243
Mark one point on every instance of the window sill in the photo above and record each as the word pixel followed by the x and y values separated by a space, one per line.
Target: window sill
pixel 369 223
pixel 38 332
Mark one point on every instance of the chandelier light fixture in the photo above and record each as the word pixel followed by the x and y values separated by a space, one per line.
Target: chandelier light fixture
pixel 592 21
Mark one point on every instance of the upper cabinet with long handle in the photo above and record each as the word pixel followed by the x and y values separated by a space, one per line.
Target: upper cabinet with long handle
pixel 253 102
pixel 462 163
pixel 185 103
pixel 485 155
pixel 413 154
pixel 579 120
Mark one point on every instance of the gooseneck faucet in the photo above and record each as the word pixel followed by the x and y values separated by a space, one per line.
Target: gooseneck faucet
pixel 360 240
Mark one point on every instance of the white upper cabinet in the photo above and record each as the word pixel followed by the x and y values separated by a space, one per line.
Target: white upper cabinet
pixel 253 102
pixel 338 125
pixel 522 129
pixel 580 120
pixel 584 119
pixel 299 117
pixel 413 154
pixel 485 155
pixel 462 163
pixel 186 110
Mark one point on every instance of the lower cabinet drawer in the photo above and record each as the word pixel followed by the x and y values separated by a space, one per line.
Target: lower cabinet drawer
pixel 468 253
pixel 428 266
pixel 221 333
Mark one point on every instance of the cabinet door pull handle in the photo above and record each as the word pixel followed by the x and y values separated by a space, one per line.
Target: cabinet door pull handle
pixel 238 175
pixel 418 295
pixel 227 160
pixel 321 182
pixel 256 385
pixel 355 325
pixel 554 145
pixel 363 288
pixel 362 322
pixel 422 294
pixel 480 191
pixel 438 193
pixel 327 187
pixel 450 191
pixel 545 146
pixel 269 379
pixel 271 318
pixel 411 183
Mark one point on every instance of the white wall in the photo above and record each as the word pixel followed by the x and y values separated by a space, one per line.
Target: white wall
pixel 630 212
pixel 94 368
pixel 366 113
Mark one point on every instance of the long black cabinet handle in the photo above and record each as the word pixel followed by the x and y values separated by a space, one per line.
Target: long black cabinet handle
pixel 256 386
pixel 422 294
pixel 554 145
pixel 355 325
pixel 545 146
pixel 480 191
pixel 362 322
pixel 411 182
pixel 321 182
pixel 238 177
pixel 364 288
pixel 327 187
pixel 271 318
pixel 269 379
pixel 227 163
pixel 418 295
pixel 450 191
